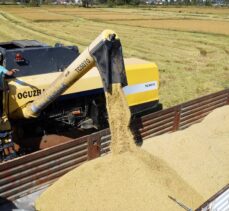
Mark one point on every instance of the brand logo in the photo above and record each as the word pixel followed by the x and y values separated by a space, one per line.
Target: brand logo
pixel 29 94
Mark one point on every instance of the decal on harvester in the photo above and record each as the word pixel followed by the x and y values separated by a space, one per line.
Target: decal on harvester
pixel 29 94
pixel 82 65
pixel 133 89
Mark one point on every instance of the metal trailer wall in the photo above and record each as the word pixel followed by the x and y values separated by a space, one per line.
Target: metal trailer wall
pixel 31 172
pixel 218 202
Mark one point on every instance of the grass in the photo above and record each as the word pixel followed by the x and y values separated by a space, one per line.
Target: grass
pixel 205 26
pixel 190 45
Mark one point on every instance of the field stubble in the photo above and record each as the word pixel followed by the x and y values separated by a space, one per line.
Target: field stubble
pixel 190 45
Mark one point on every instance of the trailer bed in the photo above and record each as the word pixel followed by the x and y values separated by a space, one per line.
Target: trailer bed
pixel 23 176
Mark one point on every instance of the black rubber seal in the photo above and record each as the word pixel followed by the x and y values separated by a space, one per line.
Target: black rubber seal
pixel 109 61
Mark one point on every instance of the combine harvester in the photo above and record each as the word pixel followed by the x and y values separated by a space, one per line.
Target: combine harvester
pixel 45 117
pixel 81 105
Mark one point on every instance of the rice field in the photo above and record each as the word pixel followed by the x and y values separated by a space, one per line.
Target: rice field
pixel 205 26
pixel 190 45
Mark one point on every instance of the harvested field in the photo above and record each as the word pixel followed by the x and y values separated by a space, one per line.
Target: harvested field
pixel 33 16
pixel 204 26
pixel 199 154
pixel 101 15
pixel 197 10
pixel 193 61
pixel 109 16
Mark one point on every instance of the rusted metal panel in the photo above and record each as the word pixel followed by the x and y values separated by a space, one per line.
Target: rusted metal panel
pixel 94 146
pixel 195 108
pixel 204 99
pixel 28 173
pixel 159 124
pixel 177 117
pixel 202 105
pixel 152 124
pixel 105 144
pixel 167 126
pixel 156 116
pixel 25 173
pixel 197 113
pixel 149 135
pixel 49 167
pixel 205 111
pixel 25 160
pixel 39 162
pixel 39 178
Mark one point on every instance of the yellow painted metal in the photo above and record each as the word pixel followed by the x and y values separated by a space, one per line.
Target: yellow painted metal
pixel 26 89
pixel 79 67
pixel 35 95
pixel 141 73
pixel 142 97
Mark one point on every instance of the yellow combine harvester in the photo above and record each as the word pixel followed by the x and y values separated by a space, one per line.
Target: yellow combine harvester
pixel 55 92
pixel 142 77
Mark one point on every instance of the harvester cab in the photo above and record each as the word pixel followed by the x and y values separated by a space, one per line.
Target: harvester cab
pixel 26 55
pixel 46 96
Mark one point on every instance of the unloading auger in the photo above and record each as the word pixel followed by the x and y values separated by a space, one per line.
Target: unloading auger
pixel 105 52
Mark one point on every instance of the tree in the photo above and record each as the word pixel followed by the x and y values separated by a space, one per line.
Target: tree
pixel 87 3
pixel 208 3
pixel 34 3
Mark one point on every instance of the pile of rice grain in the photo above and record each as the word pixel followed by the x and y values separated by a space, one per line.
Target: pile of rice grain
pixel 199 154
pixel 127 179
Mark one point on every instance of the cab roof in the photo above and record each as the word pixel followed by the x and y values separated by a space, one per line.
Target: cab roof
pixel 21 44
